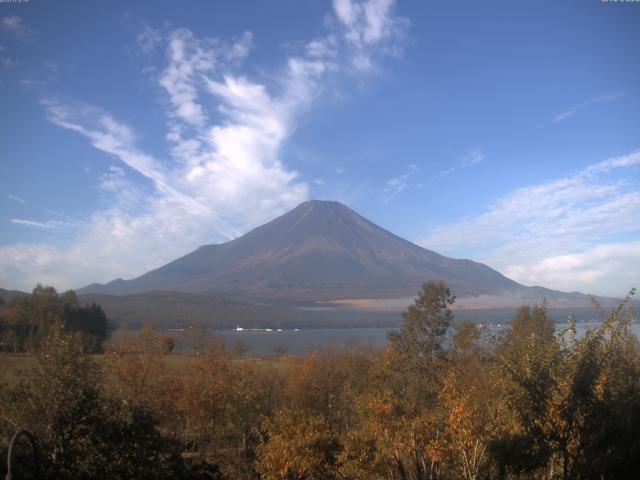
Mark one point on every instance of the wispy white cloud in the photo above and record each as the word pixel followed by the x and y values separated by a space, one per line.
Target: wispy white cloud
pixel 16 199
pixel 563 218
pixel 472 157
pixel 15 26
pixel 48 225
pixel 223 174
pixel 188 57
pixel 610 268
pixel 326 47
pixel 149 40
pixel 368 27
pixel 240 48
pixel 7 62
pixel 398 184
pixel 33 83
pixel 30 223
pixel 105 133
pixel 610 97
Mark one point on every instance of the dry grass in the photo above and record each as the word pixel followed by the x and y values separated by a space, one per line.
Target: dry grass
pixel 175 365
pixel 12 364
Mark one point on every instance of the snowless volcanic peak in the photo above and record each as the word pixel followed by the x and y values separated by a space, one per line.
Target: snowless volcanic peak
pixel 320 250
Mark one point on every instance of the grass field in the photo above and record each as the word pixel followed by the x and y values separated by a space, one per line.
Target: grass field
pixel 174 365
pixel 12 364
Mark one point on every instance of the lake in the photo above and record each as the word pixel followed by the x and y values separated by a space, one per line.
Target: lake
pixel 303 341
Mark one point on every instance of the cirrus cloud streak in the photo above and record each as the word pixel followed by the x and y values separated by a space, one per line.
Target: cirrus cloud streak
pixel 565 233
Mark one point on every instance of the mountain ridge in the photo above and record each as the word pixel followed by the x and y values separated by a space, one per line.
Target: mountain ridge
pixel 319 251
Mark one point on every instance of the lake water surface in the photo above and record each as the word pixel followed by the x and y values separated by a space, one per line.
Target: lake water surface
pixel 302 341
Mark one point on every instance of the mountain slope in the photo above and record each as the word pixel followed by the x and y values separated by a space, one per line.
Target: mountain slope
pixel 174 309
pixel 8 295
pixel 318 251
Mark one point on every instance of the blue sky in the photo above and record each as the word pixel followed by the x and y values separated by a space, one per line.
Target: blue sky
pixel 505 132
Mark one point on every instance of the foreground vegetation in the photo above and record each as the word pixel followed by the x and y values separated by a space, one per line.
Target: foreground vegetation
pixel 25 322
pixel 529 403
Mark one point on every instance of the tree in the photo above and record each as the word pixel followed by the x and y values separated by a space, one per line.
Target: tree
pixel 474 415
pixel 392 441
pixel 195 333
pixel 167 344
pixel 419 363
pixel 27 320
pixel 134 365
pixel 89 321
pixel 57 401
pixel 204 400
pixel 399 414
pixel 256 390
pixel 575 401
pixel 596 410
pixel 465 337
pixel 299 447
pixel 425 322
pixel 529 359
pixel 80 432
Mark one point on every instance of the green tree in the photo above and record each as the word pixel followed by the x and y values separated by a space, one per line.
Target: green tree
pixel 596 412
pixel 529 358
pixel 27 320
pixel 90 321
pixel 416 369
pixel 425 322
